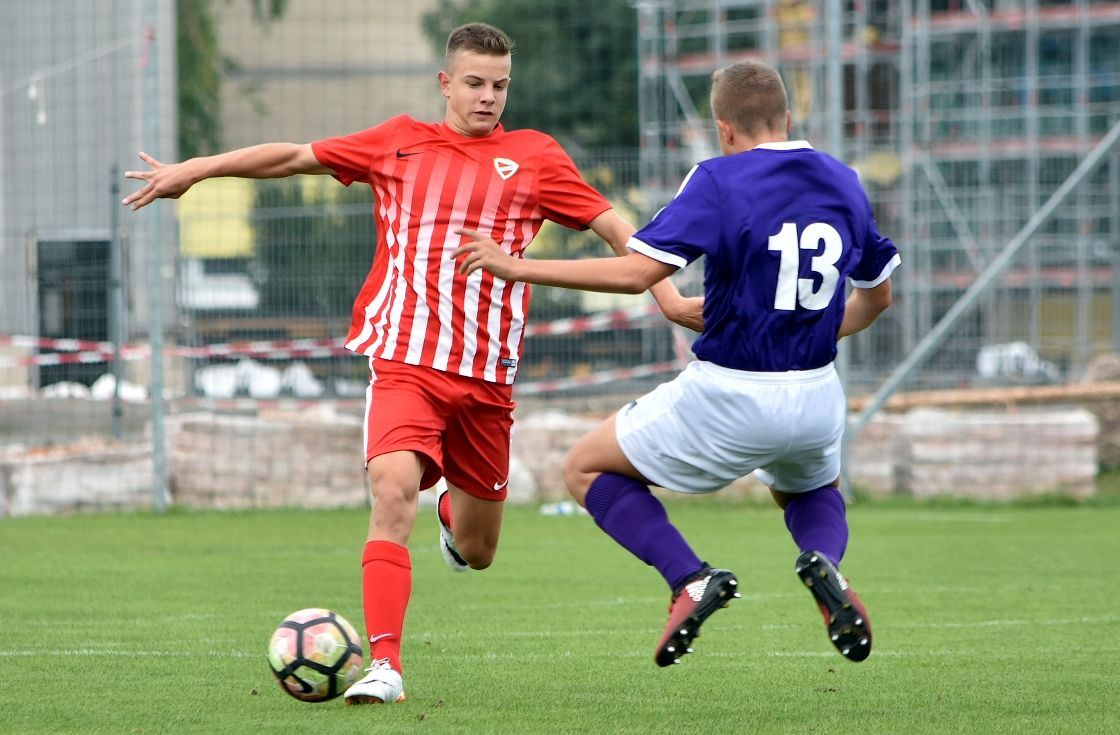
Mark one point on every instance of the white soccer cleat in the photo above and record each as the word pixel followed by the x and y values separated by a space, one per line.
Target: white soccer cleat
pixel 447 541
pixel 381 685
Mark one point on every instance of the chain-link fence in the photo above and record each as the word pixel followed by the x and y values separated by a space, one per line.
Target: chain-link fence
pixel 962 119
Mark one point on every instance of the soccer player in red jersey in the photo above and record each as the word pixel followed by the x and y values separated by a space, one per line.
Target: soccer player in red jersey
pixel 443 346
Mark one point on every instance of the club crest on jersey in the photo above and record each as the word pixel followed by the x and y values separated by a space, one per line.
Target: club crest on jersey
pixel 505 168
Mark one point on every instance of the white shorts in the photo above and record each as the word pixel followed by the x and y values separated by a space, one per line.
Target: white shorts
pixel 711 425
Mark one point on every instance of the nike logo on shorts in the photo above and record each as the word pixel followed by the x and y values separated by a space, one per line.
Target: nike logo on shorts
pixel 499 485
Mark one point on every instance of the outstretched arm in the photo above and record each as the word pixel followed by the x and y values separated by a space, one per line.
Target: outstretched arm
pixel 266 161
pixel 863 307
pixel 688 312
pixel 630 273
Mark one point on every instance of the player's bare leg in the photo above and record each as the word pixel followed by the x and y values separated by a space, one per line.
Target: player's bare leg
pixel 816 520
pixel 601 478
pixel 594 453
pixel 394 480
pixel 469 528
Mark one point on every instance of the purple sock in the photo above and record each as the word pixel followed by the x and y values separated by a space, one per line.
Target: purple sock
pixel 628 512
pixel 817 522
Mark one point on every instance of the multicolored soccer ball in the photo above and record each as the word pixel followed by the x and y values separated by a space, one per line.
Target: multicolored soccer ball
pixel 315 655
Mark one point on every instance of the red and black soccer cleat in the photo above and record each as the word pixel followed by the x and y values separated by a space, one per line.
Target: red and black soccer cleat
pixel 849 628
pixel 694 602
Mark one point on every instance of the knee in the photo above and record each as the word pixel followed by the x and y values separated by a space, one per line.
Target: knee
pixel 390 497
pixel 577 477
pixel 394 505
pixel 477 553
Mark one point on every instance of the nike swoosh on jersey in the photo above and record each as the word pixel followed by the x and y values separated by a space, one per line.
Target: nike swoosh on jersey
pixel 401 153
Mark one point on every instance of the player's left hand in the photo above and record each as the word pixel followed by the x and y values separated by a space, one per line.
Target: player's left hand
pixel 484 253
pixel 686 311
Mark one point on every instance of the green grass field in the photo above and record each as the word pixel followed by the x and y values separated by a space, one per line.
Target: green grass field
pixel 986 620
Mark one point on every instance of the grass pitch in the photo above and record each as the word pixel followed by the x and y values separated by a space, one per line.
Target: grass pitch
pixel 986 620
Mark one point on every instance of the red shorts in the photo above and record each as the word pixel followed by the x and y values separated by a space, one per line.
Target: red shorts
pixel 462 425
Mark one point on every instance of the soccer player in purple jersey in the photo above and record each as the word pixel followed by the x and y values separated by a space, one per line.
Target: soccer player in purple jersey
pixel 783 227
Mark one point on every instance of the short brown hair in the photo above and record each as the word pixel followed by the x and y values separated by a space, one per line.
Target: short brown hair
pixel 750 96
pixel 480 38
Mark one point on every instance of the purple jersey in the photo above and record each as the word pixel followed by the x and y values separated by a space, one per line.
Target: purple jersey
pixel 783 227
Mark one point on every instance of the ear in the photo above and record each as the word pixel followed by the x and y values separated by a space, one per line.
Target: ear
pixel 726 132
pixel 789 123
pixel 444 83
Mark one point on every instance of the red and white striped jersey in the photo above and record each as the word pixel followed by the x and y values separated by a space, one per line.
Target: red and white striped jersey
pixel 428 180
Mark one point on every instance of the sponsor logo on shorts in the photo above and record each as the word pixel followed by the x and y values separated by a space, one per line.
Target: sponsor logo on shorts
pixel 499 485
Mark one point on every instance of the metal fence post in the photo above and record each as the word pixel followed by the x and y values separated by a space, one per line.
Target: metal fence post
pixel 154 242
pixel 116 298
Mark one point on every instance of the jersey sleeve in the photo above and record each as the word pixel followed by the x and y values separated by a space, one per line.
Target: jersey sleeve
pixel 565 198
pixel 880 257
pixel 351 157
pixel 685 229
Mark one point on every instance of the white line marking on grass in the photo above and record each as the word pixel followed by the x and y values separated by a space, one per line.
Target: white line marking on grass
pixel 131 622
pixel 1102 620
pixel 565 604
pixel 940 653
pixel 619 601
pixel 123 653
pixel 1086 620
pixel 950 517
pixel 523 654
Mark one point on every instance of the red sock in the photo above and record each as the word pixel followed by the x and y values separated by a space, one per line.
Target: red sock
pixel 386 586
pixel 444 510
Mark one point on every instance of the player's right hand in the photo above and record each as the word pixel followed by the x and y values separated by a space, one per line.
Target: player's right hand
pixel 164 181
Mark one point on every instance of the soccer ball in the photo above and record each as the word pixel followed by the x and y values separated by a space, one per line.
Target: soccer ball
pixel 315 655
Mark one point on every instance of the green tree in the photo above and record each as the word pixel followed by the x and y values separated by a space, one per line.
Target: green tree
pixel 575 64
pixel 201 65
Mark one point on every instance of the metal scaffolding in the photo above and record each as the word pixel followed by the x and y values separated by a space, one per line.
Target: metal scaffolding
pixel 962 117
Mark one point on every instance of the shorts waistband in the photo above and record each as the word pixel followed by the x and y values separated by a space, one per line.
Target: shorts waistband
pixel 786 377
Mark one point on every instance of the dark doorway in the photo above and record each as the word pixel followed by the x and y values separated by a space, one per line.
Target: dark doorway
pixel 73 292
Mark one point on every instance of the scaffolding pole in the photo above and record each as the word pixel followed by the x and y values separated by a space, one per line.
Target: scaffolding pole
pixel 980 286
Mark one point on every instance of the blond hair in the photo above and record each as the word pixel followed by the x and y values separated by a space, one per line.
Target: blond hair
pixel 480 38
pixel 750 96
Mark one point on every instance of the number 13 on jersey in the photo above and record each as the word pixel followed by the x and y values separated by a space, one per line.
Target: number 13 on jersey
pixel 792 290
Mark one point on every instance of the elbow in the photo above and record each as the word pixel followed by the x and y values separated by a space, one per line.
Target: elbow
pixel 644 273
pixel 637 283
pixel 881 297
pixel 882 304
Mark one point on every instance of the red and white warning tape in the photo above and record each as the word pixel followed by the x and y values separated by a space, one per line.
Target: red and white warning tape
pixel 66 345
pixel 86 351
pixel 596 322
pixel 73 351
pixel 585 381
pixel 134 352
pixel 271 349
pixel 194 403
